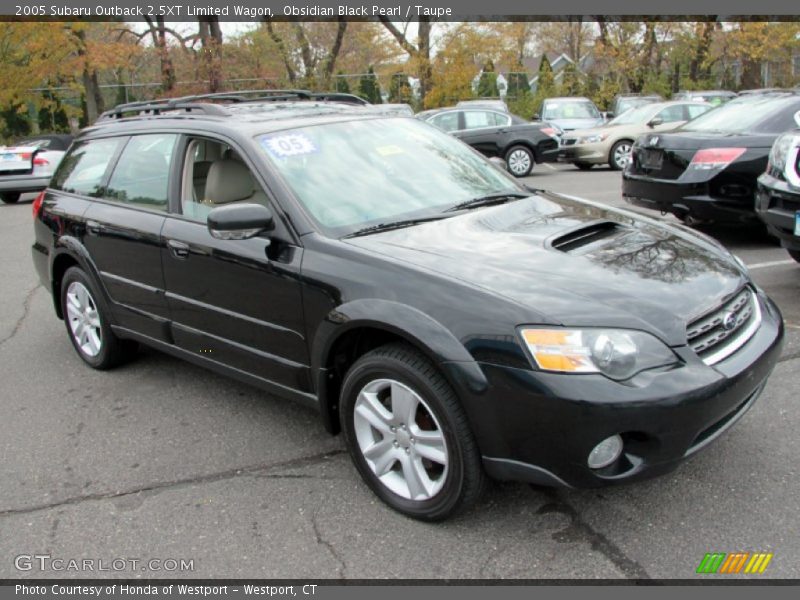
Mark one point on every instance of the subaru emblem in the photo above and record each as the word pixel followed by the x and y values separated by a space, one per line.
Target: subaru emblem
pixel 729 321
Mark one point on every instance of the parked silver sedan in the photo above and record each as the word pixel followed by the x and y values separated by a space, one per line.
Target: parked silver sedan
pixel 28 165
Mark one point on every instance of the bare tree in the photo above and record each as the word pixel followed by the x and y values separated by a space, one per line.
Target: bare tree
pixel 420 52
pixel 211 51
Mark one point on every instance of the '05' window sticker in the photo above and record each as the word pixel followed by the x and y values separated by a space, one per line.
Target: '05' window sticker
pixel 288 145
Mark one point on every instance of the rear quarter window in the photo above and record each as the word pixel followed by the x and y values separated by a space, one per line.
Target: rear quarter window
pixel 83 169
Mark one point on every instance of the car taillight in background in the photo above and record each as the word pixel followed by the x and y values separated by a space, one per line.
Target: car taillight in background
pixel 40 162
pixel 37 204
pixel 715 158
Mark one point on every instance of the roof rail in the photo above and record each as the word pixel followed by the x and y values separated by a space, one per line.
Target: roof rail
pixel 204 103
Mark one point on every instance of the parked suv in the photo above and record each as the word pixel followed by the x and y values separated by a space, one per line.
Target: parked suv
pixel 450 321
pixel 778 195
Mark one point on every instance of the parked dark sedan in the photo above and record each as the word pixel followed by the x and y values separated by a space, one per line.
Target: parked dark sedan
pixel 707 169
pixel 451 322
pixel 778 198
pixel 520 143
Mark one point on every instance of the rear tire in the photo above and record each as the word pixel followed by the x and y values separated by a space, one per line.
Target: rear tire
pixel 87 323
pixel 620 155
pixel 583 166
pixel 408 435
pixel 519 160
pixel 795 254
pixel 10 197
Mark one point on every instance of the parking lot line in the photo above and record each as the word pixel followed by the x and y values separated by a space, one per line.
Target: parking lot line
pixel 772 263
pixel 549 166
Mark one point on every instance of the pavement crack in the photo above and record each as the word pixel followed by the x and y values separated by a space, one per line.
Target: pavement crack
pixel 579 529
pixel 26 308
pixel 264 468
pixel 331 548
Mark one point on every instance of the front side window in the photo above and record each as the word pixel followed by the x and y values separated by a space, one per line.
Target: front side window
pixel 350 175
pixel 82 171
pixel 141 176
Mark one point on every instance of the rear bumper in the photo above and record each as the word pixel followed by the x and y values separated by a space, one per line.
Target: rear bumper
pixel 23 183
pixel 684 199
pixel 777 204
pixel 540 428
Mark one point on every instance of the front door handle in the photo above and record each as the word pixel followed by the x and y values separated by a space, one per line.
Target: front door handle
pixel 178 249
pixel 93 227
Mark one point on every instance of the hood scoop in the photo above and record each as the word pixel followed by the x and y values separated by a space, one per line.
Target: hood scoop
pixel 585 235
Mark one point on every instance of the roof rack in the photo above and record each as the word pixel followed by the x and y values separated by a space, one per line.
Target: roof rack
pixel 204 103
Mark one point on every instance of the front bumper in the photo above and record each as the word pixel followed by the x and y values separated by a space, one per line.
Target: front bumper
pixel 595 154
pixel 777 204
pixel 540 427
pixel 698 199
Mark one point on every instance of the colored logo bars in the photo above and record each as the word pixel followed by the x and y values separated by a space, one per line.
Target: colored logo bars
pixel 736 562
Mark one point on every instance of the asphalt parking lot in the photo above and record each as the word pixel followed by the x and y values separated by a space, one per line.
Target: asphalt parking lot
pixel 162 460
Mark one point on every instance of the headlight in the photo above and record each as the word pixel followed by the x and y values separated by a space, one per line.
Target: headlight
pixel 616 353
pixel 779 152
pixel 593 139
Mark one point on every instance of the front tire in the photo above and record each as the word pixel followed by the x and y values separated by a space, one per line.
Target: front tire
pixel 10 197
pixel 408 435
pixel 583 166
pixel 620 155
pixel 87 323
pixel 519 160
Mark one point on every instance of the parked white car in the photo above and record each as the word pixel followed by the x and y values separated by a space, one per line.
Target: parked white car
pixel 28 165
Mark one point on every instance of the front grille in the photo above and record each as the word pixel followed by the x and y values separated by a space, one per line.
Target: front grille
pixel 720 333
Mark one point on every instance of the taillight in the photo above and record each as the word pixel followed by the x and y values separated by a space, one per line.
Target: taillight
pixel 26 155
pixel 37 204
pixel 40 162
pixel 715 158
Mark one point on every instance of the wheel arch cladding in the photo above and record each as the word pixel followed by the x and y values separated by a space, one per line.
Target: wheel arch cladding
pixel 355 328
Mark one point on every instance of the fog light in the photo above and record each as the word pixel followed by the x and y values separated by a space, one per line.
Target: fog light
pixel 605 453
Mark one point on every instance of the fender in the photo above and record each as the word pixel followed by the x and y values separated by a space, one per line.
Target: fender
pixel 73 247
pixel 411 324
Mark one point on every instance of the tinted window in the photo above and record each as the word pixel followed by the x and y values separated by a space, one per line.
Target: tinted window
pixel 142 173
pixel 82 170
pixel 447 121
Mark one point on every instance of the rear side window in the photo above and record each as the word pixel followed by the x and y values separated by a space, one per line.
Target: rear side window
pixel 141 175
pixel 83 169
pixel 447 121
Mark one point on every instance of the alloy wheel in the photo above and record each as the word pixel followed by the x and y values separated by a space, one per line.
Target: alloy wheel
pixel 519 162
pixel 622 155
pixel 401 439
pixel 84 320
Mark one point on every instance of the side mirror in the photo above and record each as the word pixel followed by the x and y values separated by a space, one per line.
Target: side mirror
pixel 655 122
pixel 608 115
pixel 239 221
pixel 537 117
pixel 499 163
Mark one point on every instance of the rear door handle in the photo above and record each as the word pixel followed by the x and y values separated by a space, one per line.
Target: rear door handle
pixel 93 227
pixel 178 249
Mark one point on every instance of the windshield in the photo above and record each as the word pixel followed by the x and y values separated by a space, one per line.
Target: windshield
pixel 634 115
pixel 351 175
pixel 740 116
pixel 570 110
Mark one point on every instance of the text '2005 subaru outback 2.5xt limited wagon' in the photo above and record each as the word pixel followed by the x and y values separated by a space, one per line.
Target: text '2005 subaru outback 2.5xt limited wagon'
pixel 451 322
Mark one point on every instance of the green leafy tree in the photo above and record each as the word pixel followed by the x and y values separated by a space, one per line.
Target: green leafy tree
pixel 570 81
pixel 518 84
pixel 341 83
pixel 400 89
pixel 369 89
pixel 487 84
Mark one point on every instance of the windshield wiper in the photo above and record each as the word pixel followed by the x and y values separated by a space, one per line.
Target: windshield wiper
pixel 488 200
pixel 393 225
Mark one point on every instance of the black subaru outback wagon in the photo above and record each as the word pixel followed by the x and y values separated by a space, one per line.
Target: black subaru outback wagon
pixel 450 321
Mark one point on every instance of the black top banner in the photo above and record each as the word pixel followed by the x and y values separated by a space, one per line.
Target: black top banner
pixel 397 10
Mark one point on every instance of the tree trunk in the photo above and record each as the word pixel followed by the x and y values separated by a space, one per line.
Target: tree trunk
pixel 211 49
pixel 287 63
pixel 703 35
pixel 333 55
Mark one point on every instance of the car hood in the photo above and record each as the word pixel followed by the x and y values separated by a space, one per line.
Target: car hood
pixel 570 262
pixel 570 124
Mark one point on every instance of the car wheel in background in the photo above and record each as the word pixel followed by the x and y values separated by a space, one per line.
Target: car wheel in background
pixel 583 166
pixel 519 160
pixel 408 435
pixel 620 155
pixel 87 324
pixel 10 197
